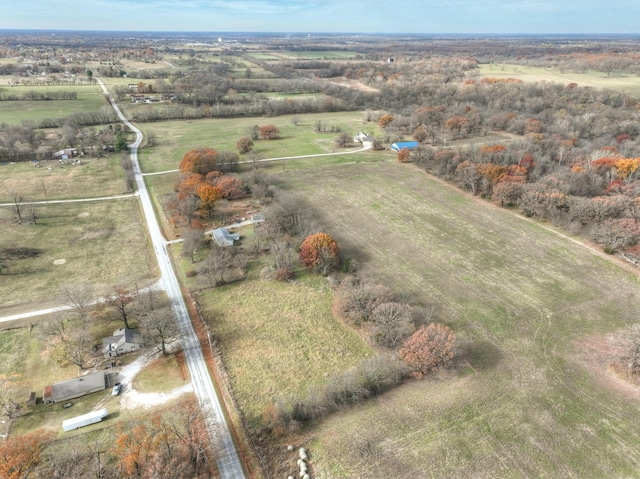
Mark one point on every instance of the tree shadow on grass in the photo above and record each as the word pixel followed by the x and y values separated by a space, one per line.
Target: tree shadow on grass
pixel 481 355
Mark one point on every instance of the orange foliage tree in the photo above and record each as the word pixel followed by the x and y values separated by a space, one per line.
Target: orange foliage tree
pixel 269 132
pixel 421 133
pixel 230 188
pixel 320 252
pixel 384 120
pixel 429 348
pixel 208 195
pixel 199 160
pixel 627 168
pixel 189 184
pixel 404 155
pixel 20 455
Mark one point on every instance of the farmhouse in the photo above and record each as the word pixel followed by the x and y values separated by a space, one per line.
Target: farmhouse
pixel 123 341
pixel 75 388
pixel 222 237
pixel 410 145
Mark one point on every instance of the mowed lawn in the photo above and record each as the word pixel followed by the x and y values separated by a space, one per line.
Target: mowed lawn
pixel 278 339
pixel 626 83
pixel 175 138
pixel 104 243
pixel 523 300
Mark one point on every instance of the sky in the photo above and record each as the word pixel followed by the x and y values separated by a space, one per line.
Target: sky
pixel 339 16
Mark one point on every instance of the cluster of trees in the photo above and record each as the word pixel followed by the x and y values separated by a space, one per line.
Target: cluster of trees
pixel 203 181
pixel 28 141
pixel 570 154
pixel 72 333
pixel 33 95
pixel 173 444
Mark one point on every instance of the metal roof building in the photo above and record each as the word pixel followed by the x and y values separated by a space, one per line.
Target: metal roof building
pixel 74 388
pixel 410 145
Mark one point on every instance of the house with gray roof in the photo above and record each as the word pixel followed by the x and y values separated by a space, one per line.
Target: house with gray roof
pixel 222 237
pixel 123 341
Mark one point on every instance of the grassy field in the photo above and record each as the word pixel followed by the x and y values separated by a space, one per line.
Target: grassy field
pixel 278 348
pixel 321 55
pixel 162 374
pixel 629 84
pixel 175 138
pixel 94 177
pixel 100 242
pixel 526 401
pixel 90 98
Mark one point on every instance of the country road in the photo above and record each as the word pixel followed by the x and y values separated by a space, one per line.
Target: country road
pixel 228 460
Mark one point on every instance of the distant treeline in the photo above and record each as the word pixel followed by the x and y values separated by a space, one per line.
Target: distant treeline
pixel 32 95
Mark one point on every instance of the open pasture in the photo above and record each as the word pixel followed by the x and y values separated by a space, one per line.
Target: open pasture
pixel 175 138
pixel 629 84
pixel 93 177
pixel 278 348
pixel 89 98
pixel 103 243
pixel 321 55
pixel 524 300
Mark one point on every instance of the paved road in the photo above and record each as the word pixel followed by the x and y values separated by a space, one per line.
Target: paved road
pixel 228 461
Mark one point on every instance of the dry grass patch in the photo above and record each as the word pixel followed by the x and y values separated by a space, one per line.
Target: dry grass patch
pixel 92 178
pixel 107 247
pixel 162 374
pixel 277 339
pixel 629 84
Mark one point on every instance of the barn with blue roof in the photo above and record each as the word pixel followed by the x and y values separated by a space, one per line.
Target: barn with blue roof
pixel 409 145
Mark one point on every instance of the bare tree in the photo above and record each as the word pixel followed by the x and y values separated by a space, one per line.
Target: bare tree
pixel 343 139
pixel 193 241
pixel 255 157
pixel 160 328
pixel 281 254
pixel 120 301
pixel 17 206
pixel 216 264
pixel 69 339
pixel 31 211
pixel 392 323
pixel 79 298
pixel 9 407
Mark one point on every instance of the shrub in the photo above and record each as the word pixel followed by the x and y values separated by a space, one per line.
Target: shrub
pixel 357 298
pixel 429 348
pixel 283 274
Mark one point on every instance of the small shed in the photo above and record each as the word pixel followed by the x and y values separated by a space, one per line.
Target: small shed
pixel 75 388
pixel 409 145
pixel 84 420
pixel 258 218
pixel 222 237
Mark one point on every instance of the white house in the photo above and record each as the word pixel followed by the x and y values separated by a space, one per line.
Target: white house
pixel 123 341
